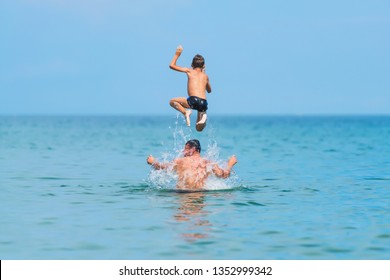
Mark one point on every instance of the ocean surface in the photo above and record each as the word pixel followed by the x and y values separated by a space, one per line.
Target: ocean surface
pixel 304 187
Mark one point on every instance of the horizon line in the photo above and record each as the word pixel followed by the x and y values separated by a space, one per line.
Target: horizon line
pixel 172 115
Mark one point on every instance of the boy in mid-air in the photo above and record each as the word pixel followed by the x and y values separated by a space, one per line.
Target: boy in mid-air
pixel 198 84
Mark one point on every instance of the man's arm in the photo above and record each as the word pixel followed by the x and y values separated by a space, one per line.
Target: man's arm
pixel 225 173
pixel 155 164
pixel 173 65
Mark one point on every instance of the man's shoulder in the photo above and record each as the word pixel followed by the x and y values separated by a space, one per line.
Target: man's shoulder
pixel 178 160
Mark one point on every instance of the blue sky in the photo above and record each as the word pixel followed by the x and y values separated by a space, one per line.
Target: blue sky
pixel 262 57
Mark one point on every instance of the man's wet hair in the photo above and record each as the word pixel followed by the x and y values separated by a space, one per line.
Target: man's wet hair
pixel 194 143
pixel 198 61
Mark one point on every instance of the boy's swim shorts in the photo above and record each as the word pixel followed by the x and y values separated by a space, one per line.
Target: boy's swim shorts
pixel 197 103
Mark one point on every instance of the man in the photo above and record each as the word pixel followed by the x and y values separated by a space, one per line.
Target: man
pixel 198 84
pixel 192 169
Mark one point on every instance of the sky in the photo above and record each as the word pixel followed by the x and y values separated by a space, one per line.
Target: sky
pixel 111 57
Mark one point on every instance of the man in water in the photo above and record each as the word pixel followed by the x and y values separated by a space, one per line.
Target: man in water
pixel 198 84
pixel 192 169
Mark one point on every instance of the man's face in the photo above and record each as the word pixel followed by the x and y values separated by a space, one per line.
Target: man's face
pixel 188 150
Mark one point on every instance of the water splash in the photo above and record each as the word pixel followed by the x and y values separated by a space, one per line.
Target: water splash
pixel 166 179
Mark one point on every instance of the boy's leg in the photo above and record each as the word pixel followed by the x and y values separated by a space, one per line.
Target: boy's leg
pixel 201 121
pixel 180 104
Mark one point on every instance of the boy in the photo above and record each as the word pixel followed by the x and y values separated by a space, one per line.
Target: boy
pixel 198 84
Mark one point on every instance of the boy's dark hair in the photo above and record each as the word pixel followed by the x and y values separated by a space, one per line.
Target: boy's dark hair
pixel 194 143
pixel 198 61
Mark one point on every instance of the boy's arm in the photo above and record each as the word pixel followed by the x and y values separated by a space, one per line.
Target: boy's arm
pixel 224 173
pixel 173 65
pixel 208 86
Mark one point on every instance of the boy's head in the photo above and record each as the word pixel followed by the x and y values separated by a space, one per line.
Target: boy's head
pixel 198 61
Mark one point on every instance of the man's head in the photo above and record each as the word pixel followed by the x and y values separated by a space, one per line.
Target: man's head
pixel 191 146
pixel 198 61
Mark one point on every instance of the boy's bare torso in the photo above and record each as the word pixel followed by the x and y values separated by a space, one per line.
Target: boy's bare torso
pixel 197 83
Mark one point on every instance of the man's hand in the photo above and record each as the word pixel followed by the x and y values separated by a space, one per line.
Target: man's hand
pixel 232 160
pixel 150 159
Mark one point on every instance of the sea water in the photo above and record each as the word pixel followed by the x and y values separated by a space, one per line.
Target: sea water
pixel 304 187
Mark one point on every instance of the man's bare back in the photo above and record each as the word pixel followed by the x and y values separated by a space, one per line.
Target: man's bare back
pixel 192 169
pixel 192 172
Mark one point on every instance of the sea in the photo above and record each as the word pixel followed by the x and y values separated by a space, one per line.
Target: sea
pixel 304 188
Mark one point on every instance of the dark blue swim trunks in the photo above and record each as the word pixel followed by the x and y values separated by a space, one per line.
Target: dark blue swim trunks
pixel 197 103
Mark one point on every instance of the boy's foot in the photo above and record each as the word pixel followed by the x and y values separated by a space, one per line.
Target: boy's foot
pixel 187 116
pixel 203 118
pixel 200 125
